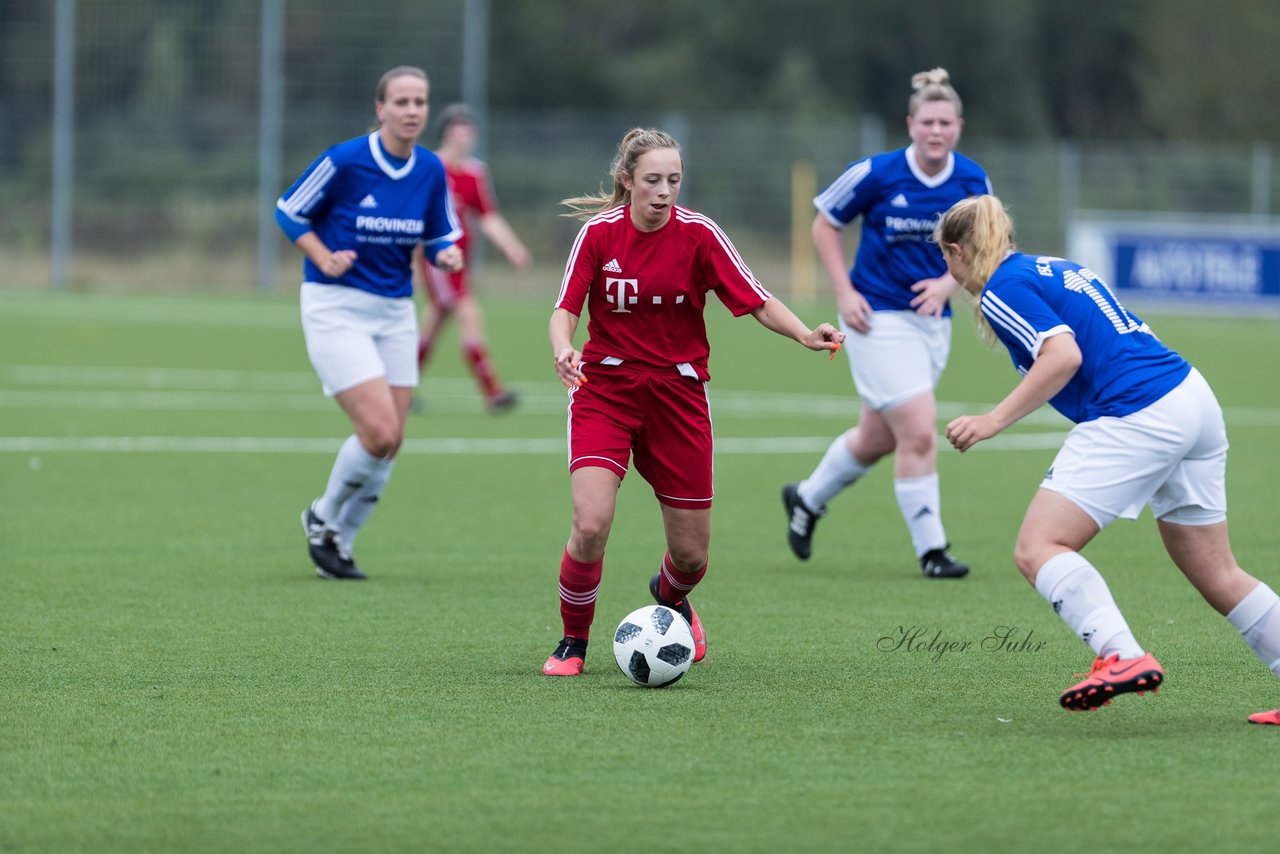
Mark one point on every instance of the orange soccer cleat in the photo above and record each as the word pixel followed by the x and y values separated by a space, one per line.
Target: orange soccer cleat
pixel 685 609
pixel 1111 677
pixel 1271 717
pixel 568 659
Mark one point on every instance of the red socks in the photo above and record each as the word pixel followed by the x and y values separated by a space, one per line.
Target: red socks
pixel 478 356
pixel 579 583
pixel 674 585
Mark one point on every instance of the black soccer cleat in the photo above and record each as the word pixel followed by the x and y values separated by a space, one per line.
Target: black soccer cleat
pixel 936 563
pixel 330 559
pixel 800 521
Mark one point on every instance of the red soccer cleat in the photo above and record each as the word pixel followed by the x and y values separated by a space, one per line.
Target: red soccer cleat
pixel 699 634
pixel 1271 717
pixel 685 609
pixel 1111 677
pixel 568 659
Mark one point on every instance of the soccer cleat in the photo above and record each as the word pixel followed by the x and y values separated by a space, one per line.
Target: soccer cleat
pixel 685 609
pixel 331 560
pixel 1271 717
pixel 800 521
pixel 568 658
pixel 936 563
pixel 502 402
pixel 1111 677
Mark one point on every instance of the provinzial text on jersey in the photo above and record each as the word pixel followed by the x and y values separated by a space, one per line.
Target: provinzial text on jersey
pixel 389 223
pixel 908 227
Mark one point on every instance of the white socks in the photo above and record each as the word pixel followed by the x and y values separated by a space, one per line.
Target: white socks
pixel 1257 619
pixel 921 506
pixel 837 470
pixel 352 469
pixel 358 507
pixel 1081 598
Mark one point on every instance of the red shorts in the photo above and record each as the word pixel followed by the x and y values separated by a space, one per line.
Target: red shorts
pixel 664 419
pixel 444 289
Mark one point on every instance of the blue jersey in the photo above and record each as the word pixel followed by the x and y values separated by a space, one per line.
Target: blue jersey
pixel 1125 368
pixel 900 206
pixel 356 196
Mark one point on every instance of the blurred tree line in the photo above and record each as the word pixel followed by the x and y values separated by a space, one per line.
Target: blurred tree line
pixel 1121 69
pixel 186 73
pixel 1089 69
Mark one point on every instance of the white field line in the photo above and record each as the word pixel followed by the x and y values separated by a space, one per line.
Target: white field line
pixel 197 389
pixel 435 447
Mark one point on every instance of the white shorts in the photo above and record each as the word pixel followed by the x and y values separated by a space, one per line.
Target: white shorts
pixel 354 336
pixel 1171 455
pixel 900 358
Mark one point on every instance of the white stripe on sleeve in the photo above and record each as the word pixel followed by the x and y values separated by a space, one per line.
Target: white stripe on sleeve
pixel 686 215
pixel 611 215
pixel 999 312
pixel 311 190
pixel 842 189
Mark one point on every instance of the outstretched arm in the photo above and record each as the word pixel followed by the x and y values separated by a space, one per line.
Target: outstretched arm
pixel 776 316
pixel 1057 363
pixel 495 227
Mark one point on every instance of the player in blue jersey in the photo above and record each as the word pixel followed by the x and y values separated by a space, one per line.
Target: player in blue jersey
pixel 1148 432
pixel 359 213
pixel 894 309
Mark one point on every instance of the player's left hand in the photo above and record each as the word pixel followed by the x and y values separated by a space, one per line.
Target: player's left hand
pixel 931 295
pixel 450 259
pixel 968 430
pixel 824 337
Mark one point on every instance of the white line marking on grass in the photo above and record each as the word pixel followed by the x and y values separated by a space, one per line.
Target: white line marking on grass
pixel 185 389
pixel 432 447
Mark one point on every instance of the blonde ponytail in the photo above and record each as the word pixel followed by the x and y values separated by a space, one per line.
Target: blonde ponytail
pixel 982 226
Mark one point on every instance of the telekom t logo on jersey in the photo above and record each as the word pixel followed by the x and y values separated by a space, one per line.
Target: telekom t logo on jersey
pixel 622 293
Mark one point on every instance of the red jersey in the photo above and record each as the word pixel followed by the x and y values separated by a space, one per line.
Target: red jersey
pixel 646 291
pixel 472 193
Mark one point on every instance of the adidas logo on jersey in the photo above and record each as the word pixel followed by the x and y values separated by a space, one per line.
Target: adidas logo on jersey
pixel 369 201
pixel 612 267
pixel 899 201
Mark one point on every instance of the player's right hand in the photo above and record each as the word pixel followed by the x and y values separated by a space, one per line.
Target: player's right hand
pixel 568 362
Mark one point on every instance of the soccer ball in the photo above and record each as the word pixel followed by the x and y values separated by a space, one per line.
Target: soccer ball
pixel 653 646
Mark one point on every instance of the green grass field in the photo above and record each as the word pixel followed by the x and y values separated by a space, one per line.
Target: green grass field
pixel 174 677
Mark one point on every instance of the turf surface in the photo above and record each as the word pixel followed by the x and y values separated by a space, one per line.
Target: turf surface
pixel 174 677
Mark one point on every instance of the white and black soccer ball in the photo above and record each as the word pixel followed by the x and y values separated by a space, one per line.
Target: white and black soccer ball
pixel 653 646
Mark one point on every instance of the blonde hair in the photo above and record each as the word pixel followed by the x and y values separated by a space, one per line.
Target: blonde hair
pixel 982 226
pixel 636 142
pixel 932 85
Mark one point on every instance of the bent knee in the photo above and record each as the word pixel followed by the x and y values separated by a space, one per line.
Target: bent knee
pixel 382 442
pixel 591 534
pixel 1028 558
pixel 687 560
pixel 917 445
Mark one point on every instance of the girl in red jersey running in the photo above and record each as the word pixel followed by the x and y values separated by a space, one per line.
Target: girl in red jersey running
pixel 644 266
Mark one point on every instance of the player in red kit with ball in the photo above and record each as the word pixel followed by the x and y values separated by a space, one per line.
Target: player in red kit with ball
pixel 644 266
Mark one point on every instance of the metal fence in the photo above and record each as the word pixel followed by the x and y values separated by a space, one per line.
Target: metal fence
pixel 165 179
